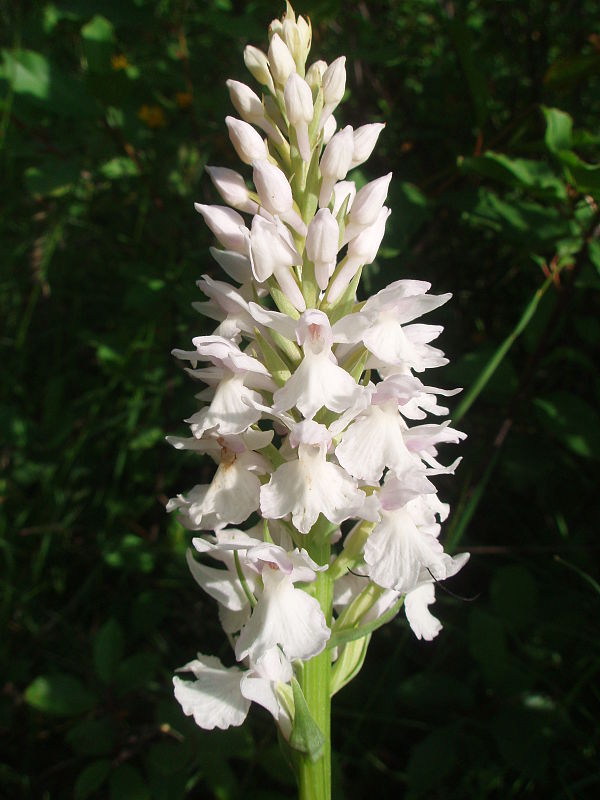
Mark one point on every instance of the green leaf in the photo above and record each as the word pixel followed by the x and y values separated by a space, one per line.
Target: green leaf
pixel 36 79
pixel 572 421
pixel 98 39
pixel 559 129
pixel 92 737
pixel 167 758
pixel 570 70
pixel 126 783
pixel 520 219
pixel 54 180
pixel 306 736
pixel 119 167
pixel 432 760
pixel 91 779
pixel 59 694
pixel 147 613
pixel 108 650
pixel 586 177
pixel 537 176
pixel 136 671
pixel 131 553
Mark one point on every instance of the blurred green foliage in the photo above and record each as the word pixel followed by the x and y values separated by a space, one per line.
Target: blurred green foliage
pixel 109 112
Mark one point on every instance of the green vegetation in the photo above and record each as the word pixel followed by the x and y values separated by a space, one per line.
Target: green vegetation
pixel 109 112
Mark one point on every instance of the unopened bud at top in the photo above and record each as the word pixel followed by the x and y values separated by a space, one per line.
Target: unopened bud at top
pixel 297 36
pixel 258 65
pixel 281 61
pixel 314 74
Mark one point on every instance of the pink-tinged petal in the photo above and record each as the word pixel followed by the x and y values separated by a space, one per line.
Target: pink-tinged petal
pixel 214 698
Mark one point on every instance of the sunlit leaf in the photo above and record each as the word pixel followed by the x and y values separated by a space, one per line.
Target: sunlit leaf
pixel 59 694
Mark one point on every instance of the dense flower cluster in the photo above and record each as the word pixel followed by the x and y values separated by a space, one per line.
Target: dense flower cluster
pixel 312 409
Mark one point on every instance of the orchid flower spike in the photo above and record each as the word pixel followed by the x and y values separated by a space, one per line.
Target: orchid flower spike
pixel 322 513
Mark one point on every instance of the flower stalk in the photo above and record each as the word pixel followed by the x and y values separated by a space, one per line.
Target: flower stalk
pixel 321 521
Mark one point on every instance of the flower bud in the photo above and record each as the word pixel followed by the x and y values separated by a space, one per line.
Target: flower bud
pixel 272 252
pixel 334 82
pixel 298 99
pixel 366 206
pixel 258 65
pixel 247 142
pixel 364 247
pixel 329 129
pixel 299 109
pixel 246 102
pixel 272 186
pixel 281 60
pixel 276 194
pixel 227 225
pixel 297 36
pixel 341 191
pixel 365 139
pixel 314 75
pixel 275 27
pixel 335 162
pixel 322 245
pixel 236 265
pixel 251 109
pixel 232 188
pixel 362 250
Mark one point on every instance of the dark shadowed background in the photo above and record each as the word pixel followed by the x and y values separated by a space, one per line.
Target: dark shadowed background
pixel 109 112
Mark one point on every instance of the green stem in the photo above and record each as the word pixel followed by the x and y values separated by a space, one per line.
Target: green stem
pixel 314 777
